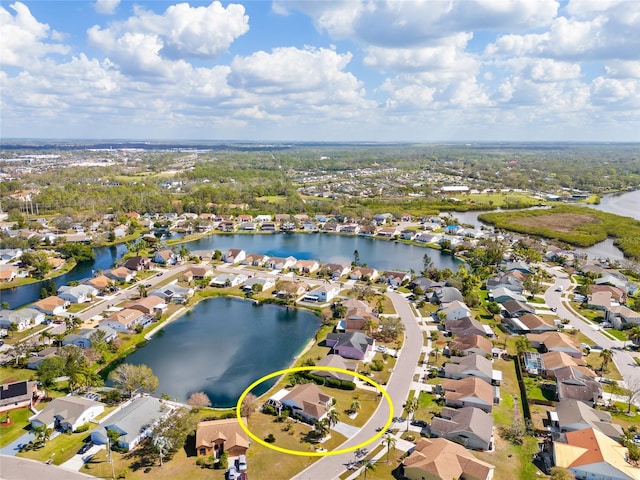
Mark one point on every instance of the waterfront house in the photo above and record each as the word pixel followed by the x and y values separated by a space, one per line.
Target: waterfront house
pixel 101 282
pixel 590 454
pixel 138 263
pixel 336 270
pixel 308 402
pixel 82 339
pixel 52 305
pixel 68 413
pixel 306 266
pixel 265 283
pixel 126 320
pixel 234 255
pixel 133 422
pixel 165 257
pixel 280 263
pixel 23 318
pixel 255 259
pixel 150 305
pixel 8 255
pixel 572 415
pixel 196 272
pixel 335 361
pixel 322 294
pixel 77 293
pixel 214 437
pixel 441 459
pixel 364 274
pixel 173 293
pixel 395 279
pixel 468 426
pixel 358 320
pixel 121 274
pixel 291 288
pixel 247 226
pixel 17 394
pixel 8 273
pixel 228 280
pixel 354 345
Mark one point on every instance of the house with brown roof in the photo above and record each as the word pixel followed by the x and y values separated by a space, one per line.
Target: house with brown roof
pixel 150 305
pixel 471 344
pixel 364 273
pixel 621 315
pixel 468 426
pixel 165 257
pixel 572 415
pixel 468 392
pixel 577 383
pixel 441 459
pixel 555 342
pixel 306 266
pixel 52 305
pixel 395 279
pixel 137 263
pixel 8 273
pixel 308 401
pixel 552 361
pixel 589 453
pixel 234 255
pixel 336 270
pixel 465 326
pixel 255 259
pixel 476 366
pixel 196 272
pixel 617 294
pixel 531 323
pixel 101 282
pixel 121 274
pixel 213 437
pixel 357 320
pixel 125 320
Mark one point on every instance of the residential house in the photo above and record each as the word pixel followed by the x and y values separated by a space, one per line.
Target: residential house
pixel 445 295
pixel 34 362
pixel 358 320
pixel 280 263
pixel 165 257
pixel 120 231
pixel 8 255
pixel 244 217
pixel 308 402
pixel 52 305
pixel 336 270
pixel 502 294
pixel 426 284
pixel 150 305
pixel 364 274
pixel 408 234
pixel 511 281
pixel 173 293
pixel 138 263
pixel 196 273
pixel 553 361
pixel 528 323
pixel 600 301
pixel 578 384
pixel 234 255
pixel 590 454
pixel 265 283
pixel 471 344
pixel 214 437
pixel 354 345
pixel 467 426
pixel 77 293
pixel 395 279
pixel 121 274
pixel 82 339
pixel 263 218
pixel 126 320
pixel 17 394
pixel 389 232
pixel 228 280
pixel 323 294
pixel 469 392
pixel 68 413
pixel 306 266
pixel 248 227
pixel 335 361
pixel 441 459
pixel 101 282
pixel 514 308
pixel 288 288
pixel 133 422
pixel 455 310
pixel 23 318
pixel 555 342
pixel 464 327
pixel 352 303
pixel 572 415
pixel 282 217
pixel 352 229
pixel 268 227
pixel 255 259
pixel 521 267
pixel 620 316
pixel 469 366
pixel 617 294
pixel 8 273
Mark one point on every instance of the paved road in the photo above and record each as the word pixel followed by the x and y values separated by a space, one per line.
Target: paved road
pixel 397 388
pixel 628 368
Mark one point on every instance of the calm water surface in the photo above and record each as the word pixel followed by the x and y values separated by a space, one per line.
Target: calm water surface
pixel 222 346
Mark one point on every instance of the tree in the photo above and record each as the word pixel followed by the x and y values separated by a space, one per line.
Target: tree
pixel 355 405
pixel 436 351
pixel 332 417
pixel 390 442
pixel 356 258
pixel 410 406
pixel 391 328
pixel 199 399
pixel 321 428
pixel 634 334
pixel 50 369
pixel 634 452
pixel 75 365
pixel 493 308
pixel 559 473
pixel 42 434
pixel 427 265
pixel 162 445
pixel 248 405
pixel 142 290
pixel 522 345
pixel 368 466
pixel 606 355
pixel 175 428
pixel 632 392
pixel 132 378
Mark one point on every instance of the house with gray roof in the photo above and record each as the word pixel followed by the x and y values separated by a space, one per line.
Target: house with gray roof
pixel 354 345
pixel 447 295
pixel 515 308
pixel 133 422
pixel 77 293
pixel 572 415
pixel 23 318
pixel 67 413
pixel 82 339
pixel 468 426
pixel 335 361
pixel 465 326
pixel 502 294
pixel 173 293
pixel 469 366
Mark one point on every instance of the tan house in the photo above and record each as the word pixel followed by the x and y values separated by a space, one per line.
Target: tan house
pixel 358 320
pixel 149 305
pixel 468 392
pixel 440 459
pixel 101 282
pixel 478 344
pixel 122 274
pixel 306 266
pixel 308 402
pixel 555 342
pixel 214 437
pixel 125 320
pixel 196 273
pixel 8 273
pixel 52 305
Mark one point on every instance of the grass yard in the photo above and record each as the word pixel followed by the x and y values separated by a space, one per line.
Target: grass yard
pixel 368 403
pixel 60 449
pixel 427 407
pixel 9 373
pixel 595 362
pixel 18 427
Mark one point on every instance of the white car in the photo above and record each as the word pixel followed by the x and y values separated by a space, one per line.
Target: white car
pixel 381 349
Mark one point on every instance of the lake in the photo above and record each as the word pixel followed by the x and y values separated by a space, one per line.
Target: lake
pixel 328 248
pixel 223 345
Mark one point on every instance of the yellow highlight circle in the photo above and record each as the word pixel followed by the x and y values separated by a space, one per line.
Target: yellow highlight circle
pixel 307 369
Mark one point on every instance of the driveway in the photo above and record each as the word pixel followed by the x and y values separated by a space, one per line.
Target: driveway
pixel 397 388
pixel 15 446
pixel 76 462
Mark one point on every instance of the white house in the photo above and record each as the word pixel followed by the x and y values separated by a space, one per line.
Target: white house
pixel 77 293
pixel 67 413
pixel 51 305
pixel 455 310
pixel 23 318
pixel 323 294
pixel 228 280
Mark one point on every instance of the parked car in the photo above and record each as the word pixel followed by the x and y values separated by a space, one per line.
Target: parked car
pixel 232 473
pixel 85 448
pixel 381 348
pixel 419 423
pixel 242 463
pixel 560 288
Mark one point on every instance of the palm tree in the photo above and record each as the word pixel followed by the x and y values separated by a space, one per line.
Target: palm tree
pixel 390 441
pixel 606 355
pixel 436 351
pixel 142 290
pixel 634 334
pixel 42 434
pixel 332 417
pixel 410 406
pixel 322 428
pixel 355 405
pixel 368 465
pixel 522 345
pixel 163 445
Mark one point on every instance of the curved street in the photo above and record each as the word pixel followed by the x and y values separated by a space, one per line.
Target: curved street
pixel 397 388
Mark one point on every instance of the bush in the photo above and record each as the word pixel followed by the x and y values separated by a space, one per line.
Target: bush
pixel 347 385
pixel 82 428
pixel 268 410
pixel 377 365
pixel 333 383
pixel 270 438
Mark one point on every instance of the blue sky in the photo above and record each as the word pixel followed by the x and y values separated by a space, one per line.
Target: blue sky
pixel 342 70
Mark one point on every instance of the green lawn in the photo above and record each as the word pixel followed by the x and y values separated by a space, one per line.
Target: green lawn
pixel 9 373
pixel 61 448
pixel 619 334
pixel 18 427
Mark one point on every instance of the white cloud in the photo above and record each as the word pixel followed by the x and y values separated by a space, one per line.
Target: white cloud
pixel 159 44
pixel 106 7
pixel 623 69
pixel 24 40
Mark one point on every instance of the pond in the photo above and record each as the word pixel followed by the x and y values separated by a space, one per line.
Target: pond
pixel 223 345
